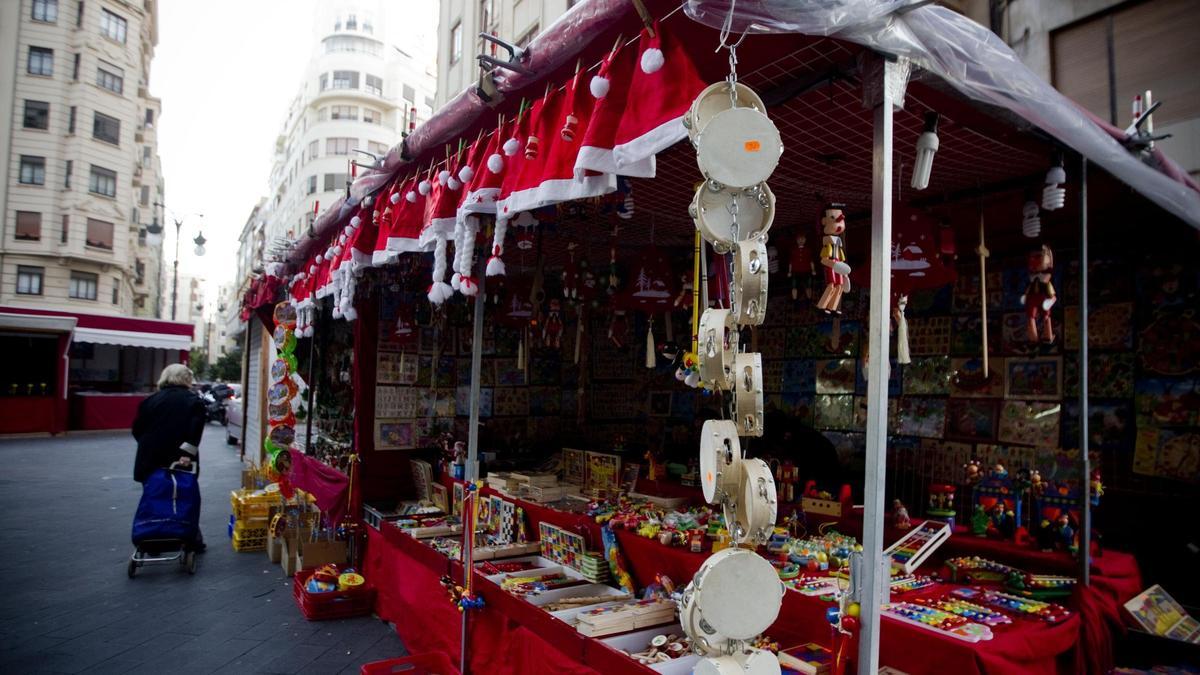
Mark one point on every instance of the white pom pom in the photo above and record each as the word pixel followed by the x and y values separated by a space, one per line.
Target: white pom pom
pixel 355 221
pixel 347 230
pixel 411 197
pixel 320 258
pixel 424 187
pixel 511 146
pixel 312 269
pixel 599 86
pixel 495 163
pixel 455 280
pixel 453 183
pixel 439 292
pixel 337 312
pixel 465 174
pixel 337 251
pixel 652 60
pixel 495 267
pixel 350 314
pixel 394 198
pixel 443 176
pixel 468 286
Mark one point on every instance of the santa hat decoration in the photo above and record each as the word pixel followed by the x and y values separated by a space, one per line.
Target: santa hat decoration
pixel 411 197
pixel 466 173
pixel 423 187
pixel 355 221
pixel 443 176
pixel 511 147
pixel 652 58
pixel 453 184
pixel 495 163
pixel 568 130
pixel 495 265
pixel 531 147
pixel 439 291
pixel 395 198
pixel 601 83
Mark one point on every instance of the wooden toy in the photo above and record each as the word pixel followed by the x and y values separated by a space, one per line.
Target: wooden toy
pixel 946 623
pixel 913 548
pixel 833 259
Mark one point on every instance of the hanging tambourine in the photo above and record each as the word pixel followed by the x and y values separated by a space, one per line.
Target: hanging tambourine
pixel 748 289
pixel 715 211
pixel 720 590
pixel 705 638
pixel 720 461
pixel 758 505
pixel 748 394
pixel 717 346
pixel 715 99
pixel 748 661
pixel 738 148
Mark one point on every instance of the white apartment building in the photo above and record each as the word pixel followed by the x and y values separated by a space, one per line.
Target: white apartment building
pixel 461 21
pixel 82 170
pixel 361 91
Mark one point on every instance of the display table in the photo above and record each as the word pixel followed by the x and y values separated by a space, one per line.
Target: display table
pixel 510 635
pixel 93 410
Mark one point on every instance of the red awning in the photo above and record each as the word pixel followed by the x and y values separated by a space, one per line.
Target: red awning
pixel 120 330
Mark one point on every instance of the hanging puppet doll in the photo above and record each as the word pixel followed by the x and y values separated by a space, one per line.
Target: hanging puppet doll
pixel 1040 296
pixel 833 258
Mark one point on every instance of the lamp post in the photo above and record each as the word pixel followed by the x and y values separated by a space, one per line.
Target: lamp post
pixel 199 241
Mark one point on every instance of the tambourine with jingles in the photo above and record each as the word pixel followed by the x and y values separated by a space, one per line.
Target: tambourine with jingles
pixel 758 504
pixel 705 638
pixel 735 594
pixel 714 209
pixel 748 662
pixel 748 288
pixel 717 346
pixel 748 394
pixel 720 461
pixel 716 99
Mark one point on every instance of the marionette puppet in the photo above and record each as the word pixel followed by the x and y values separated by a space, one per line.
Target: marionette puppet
pixel 1040 296
pixel 833 258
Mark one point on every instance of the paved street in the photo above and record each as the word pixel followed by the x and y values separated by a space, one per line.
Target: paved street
pixel 66 505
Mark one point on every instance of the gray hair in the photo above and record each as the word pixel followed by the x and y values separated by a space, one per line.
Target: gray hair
pixel 175 375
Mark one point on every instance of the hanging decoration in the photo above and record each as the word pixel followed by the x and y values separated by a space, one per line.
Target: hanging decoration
pixel 833 258
pixel 1040 296
pixel 281 396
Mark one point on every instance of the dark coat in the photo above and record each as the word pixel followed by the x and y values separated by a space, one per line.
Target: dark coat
pixel 165 421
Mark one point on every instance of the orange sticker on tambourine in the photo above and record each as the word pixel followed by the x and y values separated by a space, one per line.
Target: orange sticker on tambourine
pixel 752 146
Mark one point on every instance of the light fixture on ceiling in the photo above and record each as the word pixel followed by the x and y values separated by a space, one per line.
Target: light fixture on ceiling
pixel 927 147
pixel 1054 196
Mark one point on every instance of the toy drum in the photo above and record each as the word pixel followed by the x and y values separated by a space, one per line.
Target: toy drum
pixel 736 594
pixel 720 461
pixel 718 343
pixel 705 638
pixel 748 288
pixel 748 394
pixel 738 148
pixel 716 99
pixel 757 505
pixel 712 210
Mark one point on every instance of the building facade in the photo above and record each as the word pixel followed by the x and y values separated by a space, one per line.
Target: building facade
pixel 83 170
pixel 461 21
pixel 360 91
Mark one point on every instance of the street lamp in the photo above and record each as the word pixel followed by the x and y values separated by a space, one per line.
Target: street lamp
pixel 199 241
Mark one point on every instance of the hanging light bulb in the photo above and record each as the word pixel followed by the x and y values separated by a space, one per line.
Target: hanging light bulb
pixel 199 241
pixel 1054 196
pixel 1031 225
pixel 927 146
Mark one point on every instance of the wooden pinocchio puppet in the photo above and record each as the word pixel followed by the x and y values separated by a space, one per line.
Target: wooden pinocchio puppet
pixel 1039 295
pixel 833 259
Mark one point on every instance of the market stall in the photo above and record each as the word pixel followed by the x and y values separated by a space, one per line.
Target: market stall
pixel 570 292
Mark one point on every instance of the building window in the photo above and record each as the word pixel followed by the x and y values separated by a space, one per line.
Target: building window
pixel 66 227
pixel 116 296
pixel 314 150
pixel 33 170
pixel 344 112
pixel 29 280
pixel 312 184
pixel 71 121
pixel 105 128
pixel 324 81
pixel 376 148
pixel 29 226
pixel 367 26
pixel 45 10
pixel 456 43
pixel 339 146
pixel 334 181
pixel 145 197
pixel 103 182
pixel 352 43
pixel 372 116
pixel 99 234
pixel 82 286
pixel 41 61
pixel 37 115
pixel 351 22
pixel 110 77
pixel 375 85
pixel 145 154
pixel 345 79
pixel 79 16
pixel 113 26
pixel 75 68
pixel 149 118
pixel 67 177
pixel 139 270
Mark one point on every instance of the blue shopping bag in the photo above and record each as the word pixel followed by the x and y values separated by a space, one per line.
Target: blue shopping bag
pixel 169 508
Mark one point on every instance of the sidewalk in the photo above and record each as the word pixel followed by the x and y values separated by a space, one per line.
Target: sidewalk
pixel 67 605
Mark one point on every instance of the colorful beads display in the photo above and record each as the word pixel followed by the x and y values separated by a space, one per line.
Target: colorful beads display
pixel 1032 609
pixel 967 610
pixel 939 621
pixel 911 582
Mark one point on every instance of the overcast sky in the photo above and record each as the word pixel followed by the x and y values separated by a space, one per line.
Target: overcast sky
pixel 226 71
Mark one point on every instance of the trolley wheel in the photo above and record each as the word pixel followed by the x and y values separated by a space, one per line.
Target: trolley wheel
pixel 132 568
pixel 190 562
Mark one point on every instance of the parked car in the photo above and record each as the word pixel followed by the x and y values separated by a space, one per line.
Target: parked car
pixel 233 418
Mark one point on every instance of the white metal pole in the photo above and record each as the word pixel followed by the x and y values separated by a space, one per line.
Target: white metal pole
pixel 877 374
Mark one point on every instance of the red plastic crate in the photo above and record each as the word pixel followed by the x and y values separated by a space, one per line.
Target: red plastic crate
pixel 433 663
pixel 334 604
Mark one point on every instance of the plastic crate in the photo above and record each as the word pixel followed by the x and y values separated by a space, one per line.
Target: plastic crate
pixel 334 604
pixel 249 541
pixel 432 663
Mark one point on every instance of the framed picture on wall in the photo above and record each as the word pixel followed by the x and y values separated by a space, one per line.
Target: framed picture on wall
pixel 394 435
pixel 1038 379
pixel 971 419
